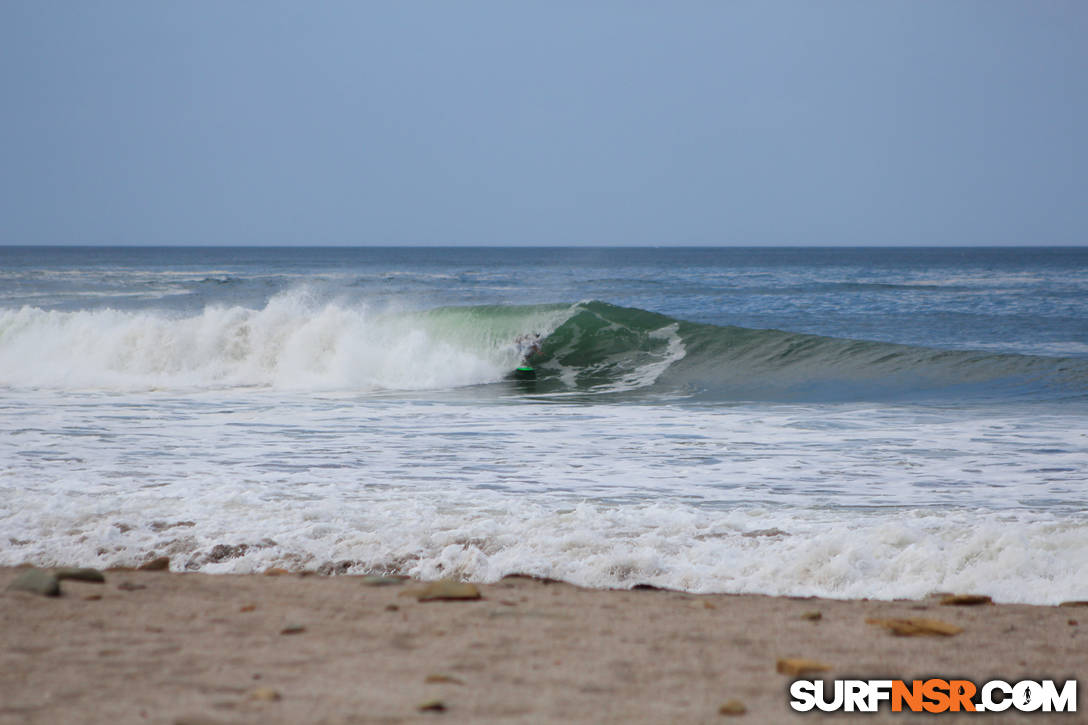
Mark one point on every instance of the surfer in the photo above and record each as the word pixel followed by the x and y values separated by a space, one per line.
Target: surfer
pixel 528 345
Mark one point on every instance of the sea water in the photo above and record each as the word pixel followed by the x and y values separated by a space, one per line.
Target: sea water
pixel 837 422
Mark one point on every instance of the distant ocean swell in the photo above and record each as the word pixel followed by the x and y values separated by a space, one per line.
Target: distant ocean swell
pixel 298 343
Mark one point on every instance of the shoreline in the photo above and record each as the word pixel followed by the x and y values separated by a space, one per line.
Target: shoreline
pixel 197 649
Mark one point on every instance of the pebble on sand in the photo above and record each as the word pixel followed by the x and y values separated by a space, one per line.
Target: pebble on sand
pixel 293 629
pixel 966 600
pixel 162 563
pixel 431 706
pixel 36 581
pixel 917 627
pixel 732 707
pixel 442 679
pixel 266 694
pixel 797 666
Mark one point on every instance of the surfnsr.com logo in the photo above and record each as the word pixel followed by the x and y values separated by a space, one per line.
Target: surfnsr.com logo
pixel 933 696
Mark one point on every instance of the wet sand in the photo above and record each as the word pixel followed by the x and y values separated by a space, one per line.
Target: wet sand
pixel 159 647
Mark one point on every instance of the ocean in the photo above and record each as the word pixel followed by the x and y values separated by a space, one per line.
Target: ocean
pixel 877 422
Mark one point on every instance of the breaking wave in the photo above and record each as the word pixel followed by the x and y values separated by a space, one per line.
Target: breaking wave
pixel 298 343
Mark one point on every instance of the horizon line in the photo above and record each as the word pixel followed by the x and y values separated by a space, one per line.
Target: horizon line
pixel 459 245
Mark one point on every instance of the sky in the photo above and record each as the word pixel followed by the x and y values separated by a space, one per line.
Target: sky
pixel 875 122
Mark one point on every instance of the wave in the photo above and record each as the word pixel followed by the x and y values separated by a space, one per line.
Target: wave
pixel 605 348
pixel 296 342
pixel 293 343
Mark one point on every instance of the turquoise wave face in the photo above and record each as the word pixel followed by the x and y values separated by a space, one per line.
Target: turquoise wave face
pixel 602 348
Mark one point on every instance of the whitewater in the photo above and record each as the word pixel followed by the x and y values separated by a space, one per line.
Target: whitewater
pixel 837 422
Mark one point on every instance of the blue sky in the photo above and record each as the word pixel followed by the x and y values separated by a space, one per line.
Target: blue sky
pixel 590 122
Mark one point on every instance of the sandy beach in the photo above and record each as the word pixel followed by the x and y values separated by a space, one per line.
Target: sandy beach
pixel 159 647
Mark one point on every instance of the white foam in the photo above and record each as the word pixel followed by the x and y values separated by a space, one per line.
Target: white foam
pixel 293 343
pixel 841 501
pixel 1014 558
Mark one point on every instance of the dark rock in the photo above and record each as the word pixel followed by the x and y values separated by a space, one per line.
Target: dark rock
pixel 966 600
pixel 83 574
pixel 36 581
pixel 162 563
pixel 431 706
